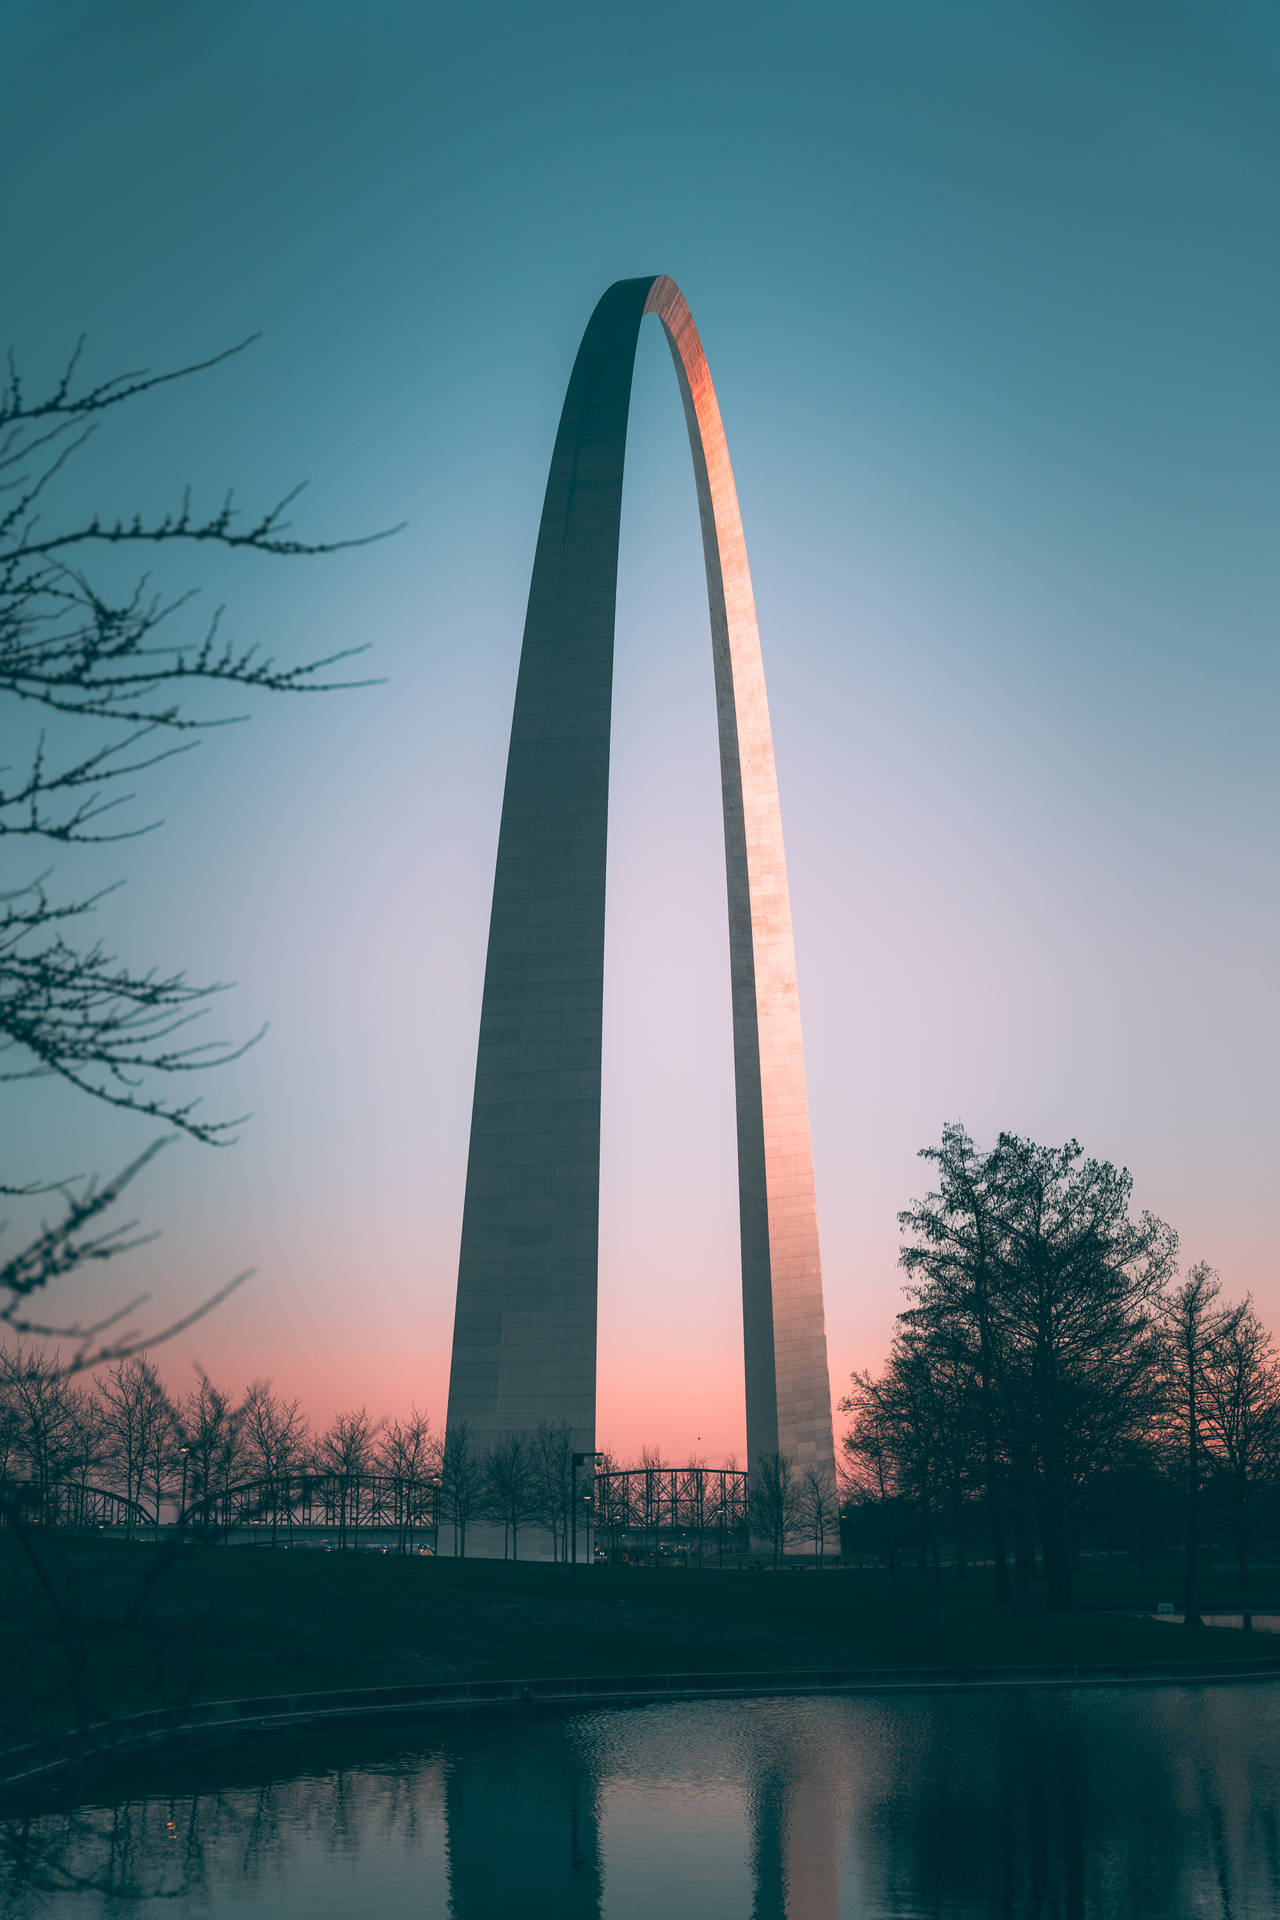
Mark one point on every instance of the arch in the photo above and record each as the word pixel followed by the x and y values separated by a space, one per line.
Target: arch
pixel 524 1343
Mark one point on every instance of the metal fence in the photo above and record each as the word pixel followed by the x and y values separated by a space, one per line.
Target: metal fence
pixel 341 1505
pixel 71 1504
pixel 662 1511
pixel 631 1512
pixel 338 1504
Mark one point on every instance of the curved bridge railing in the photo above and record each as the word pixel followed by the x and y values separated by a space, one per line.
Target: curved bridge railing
pixel 71 1504
pixel 653 1508
pixel 334 1503
pixel 674 1508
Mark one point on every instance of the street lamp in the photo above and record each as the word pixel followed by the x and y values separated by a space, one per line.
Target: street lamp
pixel 578 1460
pixel 182 1504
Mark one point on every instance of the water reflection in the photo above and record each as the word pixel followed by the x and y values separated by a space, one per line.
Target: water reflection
pixel 1059 1806
pixel 795 1863
pixel 521 1815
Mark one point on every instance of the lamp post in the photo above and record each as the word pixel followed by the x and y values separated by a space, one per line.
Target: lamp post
pixel 578 1460
pixel 718 1517
pixel 182 1504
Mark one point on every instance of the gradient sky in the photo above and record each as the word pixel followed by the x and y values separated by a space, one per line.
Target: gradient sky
pixel 990 295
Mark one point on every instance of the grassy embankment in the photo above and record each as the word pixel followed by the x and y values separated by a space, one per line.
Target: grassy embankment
pixel 230 1622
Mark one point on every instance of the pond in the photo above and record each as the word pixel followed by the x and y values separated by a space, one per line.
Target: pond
pixel 1138 1802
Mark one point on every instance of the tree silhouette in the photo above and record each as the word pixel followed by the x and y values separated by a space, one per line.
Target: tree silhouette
pixel 511 1483
pixel 113 672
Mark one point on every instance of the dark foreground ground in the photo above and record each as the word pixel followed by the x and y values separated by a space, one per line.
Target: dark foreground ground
pixel 228 1622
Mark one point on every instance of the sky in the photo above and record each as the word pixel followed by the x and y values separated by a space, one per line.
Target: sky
pixel 990 296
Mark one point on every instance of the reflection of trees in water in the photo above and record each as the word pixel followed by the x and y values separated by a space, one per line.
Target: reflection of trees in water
pixel 1052 1806
pixel 118 1852
pixel 1065 1805
pixel 69 1854
pixel 522 1831
pixel 1232 1801
pixel 151 1849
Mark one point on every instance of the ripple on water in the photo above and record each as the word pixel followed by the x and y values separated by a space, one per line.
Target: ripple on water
pixel 1146 1803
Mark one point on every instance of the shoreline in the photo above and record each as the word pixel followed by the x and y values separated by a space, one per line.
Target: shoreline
pixel 27 1770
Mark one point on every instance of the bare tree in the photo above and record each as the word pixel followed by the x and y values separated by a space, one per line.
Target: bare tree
pixel 817 1507
pixel 278 1446
pixel 43 1404
pixel 408 1455
pixel 612 1502
pixel 10 1443
pixel 1197 1328
pixel 101 682
pixel 227 1463
pixel 875 1450
pixel 135 1409
pixel 1242 1417
pixel 86 1442
pixel 919 1406
pixel 695 1499
pixel 103 679
pixel 552 1449
pixel 775 1502
pixel 461 1483
pixel 163 1465
pixel 651 1464
pixel 211 1430
pixel 511 1487
pixel 345 1451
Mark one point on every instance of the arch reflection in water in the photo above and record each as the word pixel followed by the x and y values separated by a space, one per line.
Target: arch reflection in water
pixel 522 1824
pixel 1060 1806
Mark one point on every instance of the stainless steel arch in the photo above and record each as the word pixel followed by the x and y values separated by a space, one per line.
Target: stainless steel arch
pixel 524 1344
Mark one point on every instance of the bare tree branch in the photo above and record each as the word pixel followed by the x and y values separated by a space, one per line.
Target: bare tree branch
pixel 82 651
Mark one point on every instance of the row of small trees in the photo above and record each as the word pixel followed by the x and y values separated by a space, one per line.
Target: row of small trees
pixel 790 1505
pixel 208 1457
pixel 121 1432
pixel 1055 1382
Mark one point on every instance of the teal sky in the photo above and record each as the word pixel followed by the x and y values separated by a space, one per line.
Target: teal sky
pixel 990 295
